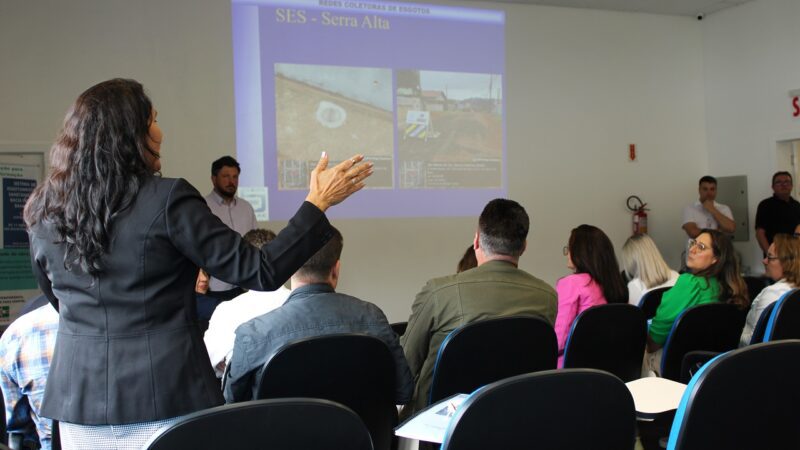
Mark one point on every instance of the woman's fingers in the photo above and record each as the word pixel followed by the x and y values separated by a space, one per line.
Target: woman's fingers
pixel 331 186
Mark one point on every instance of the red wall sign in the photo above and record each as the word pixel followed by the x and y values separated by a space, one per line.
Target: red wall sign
pixel 796 106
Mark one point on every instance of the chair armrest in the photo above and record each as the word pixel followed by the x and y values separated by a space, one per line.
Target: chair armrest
pixel 692 362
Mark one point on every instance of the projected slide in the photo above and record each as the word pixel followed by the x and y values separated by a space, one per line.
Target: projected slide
pixel 418 89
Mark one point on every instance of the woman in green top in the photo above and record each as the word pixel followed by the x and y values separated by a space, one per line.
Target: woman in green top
pixel 714 275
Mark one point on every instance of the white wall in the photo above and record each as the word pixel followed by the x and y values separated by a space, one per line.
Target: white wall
pixel 581 85
pixel 752 61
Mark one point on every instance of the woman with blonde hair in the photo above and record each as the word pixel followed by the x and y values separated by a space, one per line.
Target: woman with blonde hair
pixel 782 265
pixel 647 269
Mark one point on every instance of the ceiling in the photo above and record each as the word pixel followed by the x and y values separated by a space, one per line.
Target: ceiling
pixel 691 8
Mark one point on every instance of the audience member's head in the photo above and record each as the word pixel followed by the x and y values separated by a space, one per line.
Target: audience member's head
pixel 225 176
pixel 783 259
pixel 707 187
pixel 323 267
pixel 711 255
pixel 641 259
pixel 259 237
pixel 201 285
pixel 502 229
pixel 468 261
pixel 782 184
pixel 590 251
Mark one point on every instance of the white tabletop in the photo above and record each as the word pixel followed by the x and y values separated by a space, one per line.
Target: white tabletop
pixel 653 395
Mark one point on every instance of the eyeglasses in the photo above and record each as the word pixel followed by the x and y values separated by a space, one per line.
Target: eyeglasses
pixel 782 182
pixel 770 257
pixel 700 246
pixel 565 250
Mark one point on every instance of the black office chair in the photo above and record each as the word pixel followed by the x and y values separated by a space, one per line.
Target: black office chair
pixel 285 424
pixel 743 399
pixel 714 327
pixel 761 325
pixel 784 322
pixel 355 370
pixel 693 361
pixel 755 285
pixel 554 409
pixel 650 302
pixel 610 338
pixel 489 350
pixel 399 327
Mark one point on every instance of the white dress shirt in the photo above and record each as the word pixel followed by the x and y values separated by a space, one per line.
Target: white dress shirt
pixel 766 297
pixel 221 333
pixel 239 216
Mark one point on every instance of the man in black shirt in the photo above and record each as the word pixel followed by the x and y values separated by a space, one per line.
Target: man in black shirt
pixel 779 213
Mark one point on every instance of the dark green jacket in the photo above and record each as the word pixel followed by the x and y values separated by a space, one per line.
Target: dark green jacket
pixel 494 289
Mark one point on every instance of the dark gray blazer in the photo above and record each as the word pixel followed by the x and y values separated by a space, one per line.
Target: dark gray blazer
pixel 129 348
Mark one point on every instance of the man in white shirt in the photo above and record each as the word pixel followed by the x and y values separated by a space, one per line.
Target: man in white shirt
pixel 233 211
pixel 221 333
pixel 707 213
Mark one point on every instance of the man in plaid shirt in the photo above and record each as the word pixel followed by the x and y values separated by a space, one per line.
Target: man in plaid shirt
pixel 26 349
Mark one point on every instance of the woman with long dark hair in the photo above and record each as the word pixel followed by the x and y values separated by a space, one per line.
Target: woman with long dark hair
pixel 713 276
pixel 116 248
pixel 596 279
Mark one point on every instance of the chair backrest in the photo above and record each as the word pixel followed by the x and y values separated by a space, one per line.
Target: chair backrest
pixel 755 285
pixel 399 328
pixel 489 350
pixel 554 409
pixel 610 338
pixel 784 322
pixel 714 327
pixel 650 301
pixel 743 399
pixel 286 424
pixel 355 370
pixel 761 325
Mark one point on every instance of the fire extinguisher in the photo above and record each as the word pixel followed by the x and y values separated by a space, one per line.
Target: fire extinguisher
pixel 636 205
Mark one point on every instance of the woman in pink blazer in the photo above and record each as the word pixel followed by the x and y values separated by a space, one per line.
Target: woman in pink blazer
pixel 596 279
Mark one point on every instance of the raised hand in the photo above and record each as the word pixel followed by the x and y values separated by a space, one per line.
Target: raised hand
pixel 331 186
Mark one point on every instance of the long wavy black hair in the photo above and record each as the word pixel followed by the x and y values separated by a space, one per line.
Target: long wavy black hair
pixel 592 252
pixel 98 163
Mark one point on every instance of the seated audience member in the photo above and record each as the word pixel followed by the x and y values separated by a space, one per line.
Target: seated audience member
pixel 33 303
pixel 496 288
pixel 596 279
pixel 205 304
pixel 221 331
pixel 468 261
pixel 26 349
pixel 647 269
pixel 714 276
pixel 782 265
pixel 312 309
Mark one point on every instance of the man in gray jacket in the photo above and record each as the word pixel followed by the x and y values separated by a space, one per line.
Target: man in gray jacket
pixel 312 309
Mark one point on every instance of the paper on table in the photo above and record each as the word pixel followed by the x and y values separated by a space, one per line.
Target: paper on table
pixel 430 424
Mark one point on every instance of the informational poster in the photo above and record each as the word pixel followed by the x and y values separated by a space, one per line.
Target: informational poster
pixel 17 282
